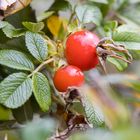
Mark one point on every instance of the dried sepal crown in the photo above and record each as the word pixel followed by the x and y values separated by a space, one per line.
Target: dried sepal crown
pixel 108 48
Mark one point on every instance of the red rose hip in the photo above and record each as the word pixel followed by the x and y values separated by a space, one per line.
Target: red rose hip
pixel 80 49
pixel 68 76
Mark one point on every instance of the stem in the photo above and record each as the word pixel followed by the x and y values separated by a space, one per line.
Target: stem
pixel 41 66
pixel 72 15
pixel 70 131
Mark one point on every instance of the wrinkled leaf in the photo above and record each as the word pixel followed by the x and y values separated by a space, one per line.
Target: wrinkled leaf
pixel 36 45
pixel 42 91
pixel 93 112
pixel 119 64
pixel 16 60
pixel 34 27
pixel 10 31
pixel 130 40
pixel 15 90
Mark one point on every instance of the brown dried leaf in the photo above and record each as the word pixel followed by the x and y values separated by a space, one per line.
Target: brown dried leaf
pixel 14 6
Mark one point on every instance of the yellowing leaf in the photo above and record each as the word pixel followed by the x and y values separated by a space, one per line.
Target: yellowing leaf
pixel 5 113
pixel 54 24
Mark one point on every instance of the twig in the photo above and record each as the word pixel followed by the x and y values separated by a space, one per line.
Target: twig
pixel 41 66
pixel 69 131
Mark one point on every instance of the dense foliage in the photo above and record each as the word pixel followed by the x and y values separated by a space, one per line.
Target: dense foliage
pixel 37 41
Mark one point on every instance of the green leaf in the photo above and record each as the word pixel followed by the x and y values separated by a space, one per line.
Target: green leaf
pixel 15 59
pixel 128 28
pixel 14 43
pixel 3 38
pixel 129 39
pixel 34 27
pixel 88 13
pixel 93 112
pixel 13 32
pixel 42 91
pixel 128 21
pixel 15 90
pixel 36 45
pixel 100 1
pixel 24 113
pixel 45 15
pixel 132 13
pixel 3 24
pixel 60 5
pixel 119 64
pixel 110 25
pixel 117 4
pixel 10 31
pixel 135 54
